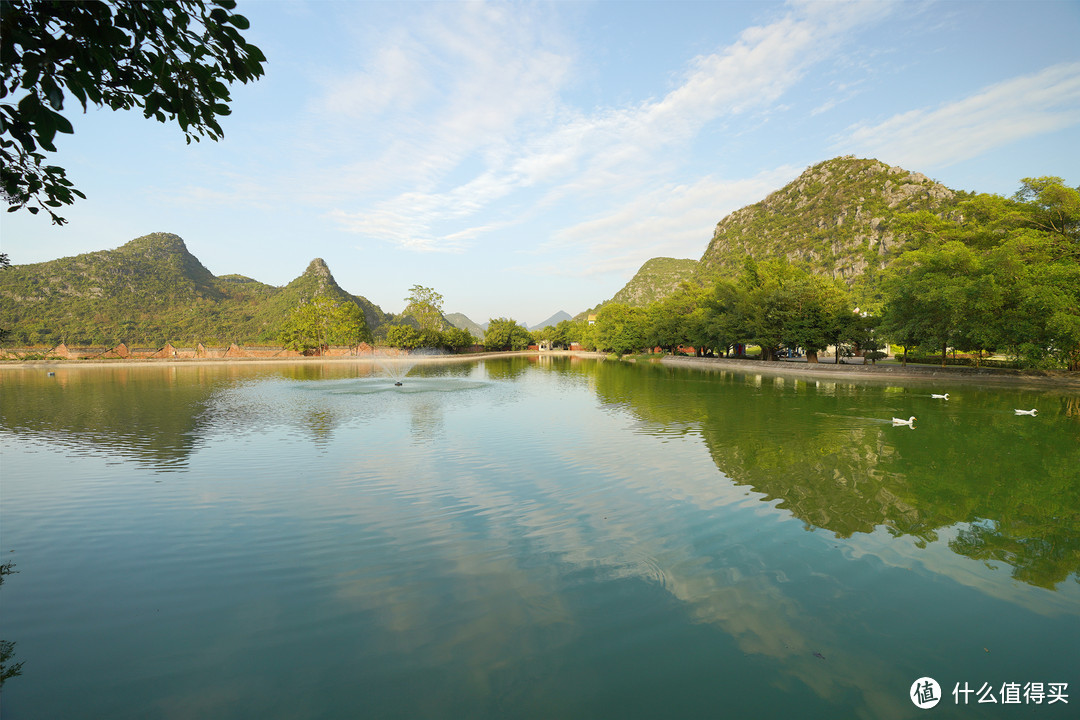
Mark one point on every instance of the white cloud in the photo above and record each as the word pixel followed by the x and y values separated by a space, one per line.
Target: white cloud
pixel 1000 114
pixel 498 127
pixel 671 221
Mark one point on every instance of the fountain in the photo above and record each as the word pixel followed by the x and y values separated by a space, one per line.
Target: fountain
pixel 396 367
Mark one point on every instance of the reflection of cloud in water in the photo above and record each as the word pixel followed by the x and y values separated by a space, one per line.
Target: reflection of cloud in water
pixel 448 516
pixel 474 535
pixel 905 552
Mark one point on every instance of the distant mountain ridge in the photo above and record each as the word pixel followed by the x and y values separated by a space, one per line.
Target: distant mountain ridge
pixel 152 290
pixel 553 320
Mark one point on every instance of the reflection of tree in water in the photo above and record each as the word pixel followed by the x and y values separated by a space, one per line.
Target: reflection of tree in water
pixel 320 424
pixel 508 368
pixel 1009 486
pixel 425 418
pixel 8 669
pixel 153 414
pixel 450 369
pixel 1037 557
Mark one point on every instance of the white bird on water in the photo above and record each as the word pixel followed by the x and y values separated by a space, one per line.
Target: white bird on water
pixel 1032 412
pixel 940 397
pixel 910 422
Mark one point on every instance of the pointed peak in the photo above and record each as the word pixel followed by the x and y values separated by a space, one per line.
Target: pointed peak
pixel 319 267
pixel 159 242
pixel 317 278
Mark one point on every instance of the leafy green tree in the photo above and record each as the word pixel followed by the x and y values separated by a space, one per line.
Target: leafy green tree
pixel 678 319
pixel 456 338
pixel 928 293
pixel 404 336
pixel 723 316
pixel 425 308
pixel 173 60
pixel 818 313
pixel 621 328
pixel 1051 206
pixel 505 334
pixel 561 333
pixel 321 322
pixel 999 274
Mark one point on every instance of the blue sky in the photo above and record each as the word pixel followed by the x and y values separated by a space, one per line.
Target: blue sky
pixel 525 158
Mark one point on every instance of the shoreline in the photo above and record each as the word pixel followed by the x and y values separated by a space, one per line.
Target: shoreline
pixel 887 371
pixel 883 371
pixel 214 362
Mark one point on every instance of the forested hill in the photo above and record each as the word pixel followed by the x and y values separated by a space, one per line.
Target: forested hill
pixel 151 291
pixel 837 219
pixel 656 279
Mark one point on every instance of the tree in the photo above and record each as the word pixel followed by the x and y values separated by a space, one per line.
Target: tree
pixel 819 313
pixel 1051 206
pixel 4 264
pixel 321 322
pixel 404 336
pixel 456 338
pixel 677 319
pixel 425 308
pixel 505 334
pixel 621 328
pixel 928 293
pixel 173 60
pixel 723 316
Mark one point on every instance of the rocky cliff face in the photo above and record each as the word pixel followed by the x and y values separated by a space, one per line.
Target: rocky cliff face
pixel 836 217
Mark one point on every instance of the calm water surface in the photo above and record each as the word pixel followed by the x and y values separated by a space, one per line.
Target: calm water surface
pixel 520 538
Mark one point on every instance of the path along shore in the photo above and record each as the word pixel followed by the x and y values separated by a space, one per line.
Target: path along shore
pixel 887 371
pixel 883 371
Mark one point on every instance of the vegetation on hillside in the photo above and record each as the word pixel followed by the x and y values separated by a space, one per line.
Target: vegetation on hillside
pixel 997 275
pixel 152 291
pixel 837 219
pixel 963 272
pixel 655 279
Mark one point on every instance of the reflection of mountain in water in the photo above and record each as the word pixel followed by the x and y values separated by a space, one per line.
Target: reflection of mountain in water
pixel 152 414
pixel 1010 488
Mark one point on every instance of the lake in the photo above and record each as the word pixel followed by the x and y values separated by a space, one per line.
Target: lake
pixel 534 538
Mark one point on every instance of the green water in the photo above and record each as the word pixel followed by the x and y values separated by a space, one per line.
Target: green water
pixel 531 539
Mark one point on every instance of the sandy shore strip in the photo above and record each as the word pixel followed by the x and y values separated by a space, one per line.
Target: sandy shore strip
pixel 888 372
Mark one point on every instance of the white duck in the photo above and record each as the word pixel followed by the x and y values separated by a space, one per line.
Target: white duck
pixel 940 397
pixel 910 422
pixel 1032 412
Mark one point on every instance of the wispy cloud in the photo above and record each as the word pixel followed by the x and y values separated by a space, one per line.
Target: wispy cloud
pixel 496 125
pixel 670 221
pixel 997 115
